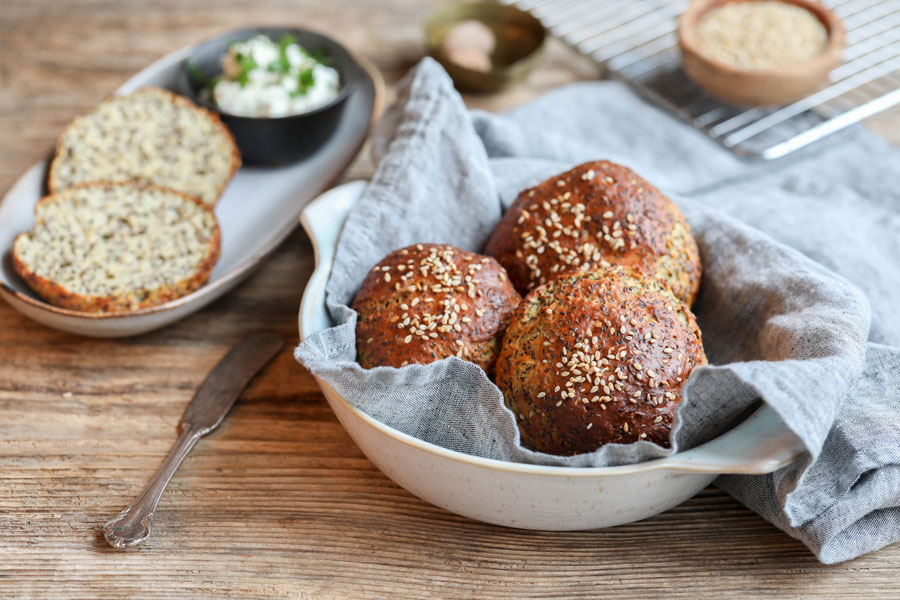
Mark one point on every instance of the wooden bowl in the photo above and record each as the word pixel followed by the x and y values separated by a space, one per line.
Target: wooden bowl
pixel 759 87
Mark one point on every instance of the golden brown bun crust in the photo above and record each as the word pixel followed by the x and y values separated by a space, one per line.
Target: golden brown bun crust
pixel 430 301
pixel 59 295
pixel 597 357
pixel 597 213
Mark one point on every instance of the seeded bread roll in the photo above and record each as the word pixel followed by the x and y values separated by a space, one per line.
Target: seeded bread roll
pixel 117 247
pixel 597 357
pixel 150 136
pixel 597 214
pixel 429 301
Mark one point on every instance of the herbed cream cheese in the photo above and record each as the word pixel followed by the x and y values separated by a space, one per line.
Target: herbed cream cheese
pixel 262 78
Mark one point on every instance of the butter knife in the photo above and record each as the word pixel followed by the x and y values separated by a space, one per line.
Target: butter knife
pixel 205 412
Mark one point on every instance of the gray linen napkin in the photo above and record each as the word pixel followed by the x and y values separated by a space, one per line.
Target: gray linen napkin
pixel 777 325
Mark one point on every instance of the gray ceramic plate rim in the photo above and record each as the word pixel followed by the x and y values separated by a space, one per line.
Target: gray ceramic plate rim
pixel 210 290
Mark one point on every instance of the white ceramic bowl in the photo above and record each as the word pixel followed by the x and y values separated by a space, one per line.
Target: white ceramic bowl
pixel 520 495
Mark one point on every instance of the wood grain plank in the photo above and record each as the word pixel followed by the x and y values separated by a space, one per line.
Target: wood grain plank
pixel 279 503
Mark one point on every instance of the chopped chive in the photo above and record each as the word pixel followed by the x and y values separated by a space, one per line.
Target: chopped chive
pixel 247 64
pixel 195 72
pixel 283 65
pixel 285 41
pixel 321 57
pixel 306 79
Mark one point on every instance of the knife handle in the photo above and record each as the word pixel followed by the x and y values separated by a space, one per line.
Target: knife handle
pixel 132 525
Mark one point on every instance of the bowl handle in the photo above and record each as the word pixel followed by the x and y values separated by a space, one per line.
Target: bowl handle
pixel 323 219
pixel 761 444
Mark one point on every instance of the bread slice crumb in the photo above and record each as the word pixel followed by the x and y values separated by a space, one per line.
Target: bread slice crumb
pixel 151 137
pixel 114 247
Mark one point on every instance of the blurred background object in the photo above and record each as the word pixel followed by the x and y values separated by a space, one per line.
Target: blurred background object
pixel 484 46
pixel 759 52
pixel 636 41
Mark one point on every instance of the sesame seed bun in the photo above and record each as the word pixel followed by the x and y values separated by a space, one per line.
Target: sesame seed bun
pixel 597 357
pixel 597 214
pixel 427 302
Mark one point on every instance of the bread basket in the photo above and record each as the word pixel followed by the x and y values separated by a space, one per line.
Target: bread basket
pixel 521 495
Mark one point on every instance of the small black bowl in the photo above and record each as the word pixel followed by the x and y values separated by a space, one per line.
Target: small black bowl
pixel 275 141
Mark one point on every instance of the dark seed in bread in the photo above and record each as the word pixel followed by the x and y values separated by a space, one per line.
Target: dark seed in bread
pixel 597 357
pixel 596 214
pixel 428 302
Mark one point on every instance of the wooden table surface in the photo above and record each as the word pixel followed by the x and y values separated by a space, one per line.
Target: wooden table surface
pixel 279 503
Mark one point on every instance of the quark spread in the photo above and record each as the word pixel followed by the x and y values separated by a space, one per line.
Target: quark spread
pixel 262 78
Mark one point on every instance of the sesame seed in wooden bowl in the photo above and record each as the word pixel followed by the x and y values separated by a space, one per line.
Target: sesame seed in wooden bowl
pixel 760 52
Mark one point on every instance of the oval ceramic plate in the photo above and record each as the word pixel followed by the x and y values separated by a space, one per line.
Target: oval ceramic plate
pixel 258 210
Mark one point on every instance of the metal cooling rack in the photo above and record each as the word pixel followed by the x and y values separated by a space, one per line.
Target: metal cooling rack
pixel 636 41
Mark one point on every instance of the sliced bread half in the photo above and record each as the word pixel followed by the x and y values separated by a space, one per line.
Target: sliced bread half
pixel 150 136
pixel 117 247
